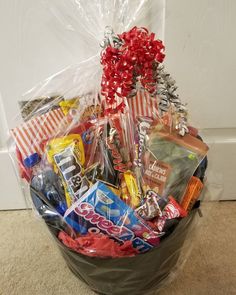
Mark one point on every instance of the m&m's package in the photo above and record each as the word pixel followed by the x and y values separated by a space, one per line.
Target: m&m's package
pixel 106 149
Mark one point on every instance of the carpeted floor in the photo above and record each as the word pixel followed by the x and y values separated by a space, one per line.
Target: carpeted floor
pixel 31 264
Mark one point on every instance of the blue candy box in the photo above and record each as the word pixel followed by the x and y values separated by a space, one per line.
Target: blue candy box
pixel 100 210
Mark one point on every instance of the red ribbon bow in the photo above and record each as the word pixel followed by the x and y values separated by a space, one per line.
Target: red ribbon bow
pixel 135 60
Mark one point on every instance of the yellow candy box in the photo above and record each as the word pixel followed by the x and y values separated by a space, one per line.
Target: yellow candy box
pixel 67 156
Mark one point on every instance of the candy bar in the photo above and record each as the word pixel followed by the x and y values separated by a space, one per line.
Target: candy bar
pixel 114 144
pixel 192 193
pixel 129 188
pixel 172 210
pixel 89 134
pixel 144 124
pixel 150 208
pixel 67 157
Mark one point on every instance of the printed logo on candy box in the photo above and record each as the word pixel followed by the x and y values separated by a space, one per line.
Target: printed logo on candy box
pixel 100 210
pixel 156 173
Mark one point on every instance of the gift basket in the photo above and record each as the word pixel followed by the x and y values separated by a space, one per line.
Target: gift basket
pixel 106 151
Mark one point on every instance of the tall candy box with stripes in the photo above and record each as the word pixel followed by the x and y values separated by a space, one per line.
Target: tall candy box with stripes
pixel 30 135
pixel 143 105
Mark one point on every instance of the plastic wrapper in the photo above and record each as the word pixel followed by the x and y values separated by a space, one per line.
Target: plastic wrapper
pixel 105 148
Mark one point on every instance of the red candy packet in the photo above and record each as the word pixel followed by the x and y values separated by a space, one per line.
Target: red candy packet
pixel 178 210
pixel 172 210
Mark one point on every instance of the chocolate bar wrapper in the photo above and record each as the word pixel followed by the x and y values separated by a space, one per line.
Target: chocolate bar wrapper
pixel 100 210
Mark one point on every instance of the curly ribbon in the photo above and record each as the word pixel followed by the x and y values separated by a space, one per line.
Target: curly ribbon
pixel 132 57
pixel 129 58
pixel 166 91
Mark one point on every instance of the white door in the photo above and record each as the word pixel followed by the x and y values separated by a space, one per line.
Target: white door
pixel 200 45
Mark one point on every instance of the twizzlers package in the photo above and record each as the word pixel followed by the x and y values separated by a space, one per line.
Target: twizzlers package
pixel 100 210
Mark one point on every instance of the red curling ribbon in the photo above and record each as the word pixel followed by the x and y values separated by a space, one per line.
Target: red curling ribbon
pixel 135 60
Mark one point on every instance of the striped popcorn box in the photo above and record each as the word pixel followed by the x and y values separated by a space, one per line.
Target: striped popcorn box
pixel 143 105
pixel 140 105
pixel 30 135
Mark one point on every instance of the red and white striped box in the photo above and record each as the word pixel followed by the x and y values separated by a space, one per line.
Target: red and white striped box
pixel 140 105
pixel 143 105
pixel 30 135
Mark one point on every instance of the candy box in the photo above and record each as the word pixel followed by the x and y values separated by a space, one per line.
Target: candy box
pixel 100 210
pixel 88 132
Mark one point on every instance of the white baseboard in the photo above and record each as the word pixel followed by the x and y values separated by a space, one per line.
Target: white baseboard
pixel 221 172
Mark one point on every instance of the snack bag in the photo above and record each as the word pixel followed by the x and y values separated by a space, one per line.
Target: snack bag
pixel 170 161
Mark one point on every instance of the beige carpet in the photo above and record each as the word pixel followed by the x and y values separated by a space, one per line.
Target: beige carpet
pixel 31 264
